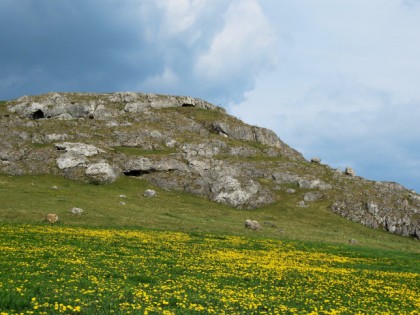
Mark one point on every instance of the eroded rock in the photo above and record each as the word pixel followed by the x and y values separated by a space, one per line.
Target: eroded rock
pixel 101 173
pixel 71 159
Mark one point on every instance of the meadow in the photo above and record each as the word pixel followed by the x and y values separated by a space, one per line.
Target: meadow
pixel 74 270
pixel 182 254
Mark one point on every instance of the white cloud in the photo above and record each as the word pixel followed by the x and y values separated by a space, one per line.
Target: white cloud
pixel 214 48
pixel 347 87
pixel 244 46
pixel 180 15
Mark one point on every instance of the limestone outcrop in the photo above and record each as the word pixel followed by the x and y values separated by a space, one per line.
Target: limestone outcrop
pixel 186 144
pixel 69 106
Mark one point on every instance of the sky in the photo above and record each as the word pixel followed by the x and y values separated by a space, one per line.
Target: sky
pixel 338 80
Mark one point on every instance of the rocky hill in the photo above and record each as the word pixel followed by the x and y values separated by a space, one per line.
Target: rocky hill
pixel 187 144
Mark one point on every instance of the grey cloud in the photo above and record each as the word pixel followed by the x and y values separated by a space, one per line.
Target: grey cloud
pixel 70 45
pixel 104 45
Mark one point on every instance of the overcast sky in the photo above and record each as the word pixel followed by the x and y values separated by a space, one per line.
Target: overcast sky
pixel 335 79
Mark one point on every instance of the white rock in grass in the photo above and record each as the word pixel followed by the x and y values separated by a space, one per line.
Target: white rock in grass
pixel 150 193
pixel 77 211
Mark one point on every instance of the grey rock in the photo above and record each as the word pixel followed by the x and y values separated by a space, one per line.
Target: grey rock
pixel 170 143
pixel 316 160
pixel 200 166
pixel 229 190
pixel 373 208
pixel 253 225
pixel 102 106
pixel 141 164
pixel 71 159
pixel 249 133
pixel 76 211
pixel 313 184
pixel 136 107
pixel 415 199
pixel 285 178
pixel 150 193
pixel 64 116
pixel 208 149
pixel 311 196
pixel 79 148
pixel 395 216
pixel 242 151
pixel 349 171
pixel 56 137
pixel 101 173
pixel 145 165
pixel 103 113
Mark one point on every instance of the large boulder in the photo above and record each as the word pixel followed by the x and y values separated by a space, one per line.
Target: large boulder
pixel 101 173
pixel 71 159
pixel 249 133
pixel 229 190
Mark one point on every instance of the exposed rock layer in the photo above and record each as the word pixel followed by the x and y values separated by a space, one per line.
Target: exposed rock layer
pixel 186 144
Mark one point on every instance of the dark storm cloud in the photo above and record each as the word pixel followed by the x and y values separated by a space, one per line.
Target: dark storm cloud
pixel 72 45
pixel 107 45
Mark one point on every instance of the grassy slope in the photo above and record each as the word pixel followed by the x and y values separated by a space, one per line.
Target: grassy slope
pixel 26 199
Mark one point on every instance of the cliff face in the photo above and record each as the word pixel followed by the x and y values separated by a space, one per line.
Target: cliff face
pixel 187 144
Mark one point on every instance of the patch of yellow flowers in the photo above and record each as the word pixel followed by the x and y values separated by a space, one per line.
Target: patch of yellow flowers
pixel 63 270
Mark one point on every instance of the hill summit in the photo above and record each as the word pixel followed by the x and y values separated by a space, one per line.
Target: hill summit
pixel 187 144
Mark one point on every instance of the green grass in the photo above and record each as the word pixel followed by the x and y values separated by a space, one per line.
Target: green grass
pixel 142 152
pixel 182 254
pixel 58 269
pixel 27 199
pixel 3 108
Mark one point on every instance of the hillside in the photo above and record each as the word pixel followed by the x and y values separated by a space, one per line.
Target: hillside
pixel 186 145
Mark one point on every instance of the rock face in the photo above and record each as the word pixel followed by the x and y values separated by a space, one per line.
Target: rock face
pixel 382 207
pixel 186 144
pixel 69 106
